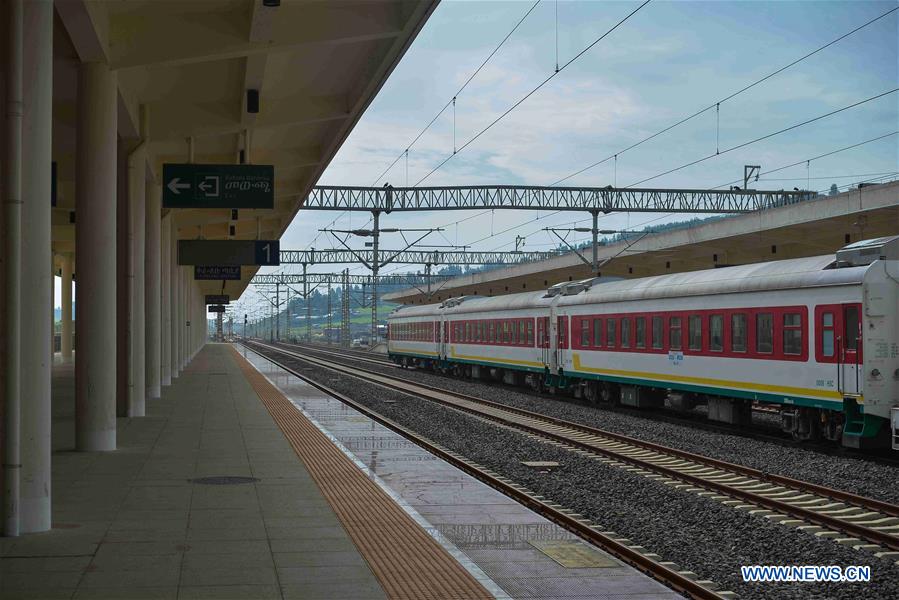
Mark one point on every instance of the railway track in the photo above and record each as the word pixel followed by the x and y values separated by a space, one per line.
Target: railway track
pixel 684 582
pixel 755 432
pixel 847 518
pixel 342 353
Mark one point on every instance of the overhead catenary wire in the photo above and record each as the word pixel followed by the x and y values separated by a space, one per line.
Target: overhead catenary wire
pixel 452 101
pixel 532 92
pixel 767 136
pixel 716 104
pixel 799 162
pixel 458 92
pixel 658 218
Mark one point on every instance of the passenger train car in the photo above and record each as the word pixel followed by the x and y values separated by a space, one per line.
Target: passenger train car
pixel 818 338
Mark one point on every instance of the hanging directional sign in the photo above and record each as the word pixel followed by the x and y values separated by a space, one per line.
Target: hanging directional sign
pixel 216 309
pixel 218 186
pixel 218 299
pixel 229 252
pixel 215 272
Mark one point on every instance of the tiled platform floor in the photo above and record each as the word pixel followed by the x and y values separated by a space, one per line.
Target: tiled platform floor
pixel 129 524
pixel 515 552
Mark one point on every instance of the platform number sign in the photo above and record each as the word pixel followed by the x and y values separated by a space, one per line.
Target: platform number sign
pixel 268 253
pixel 229 252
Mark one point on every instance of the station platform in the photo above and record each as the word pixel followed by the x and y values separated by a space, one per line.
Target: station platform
pixel 333 506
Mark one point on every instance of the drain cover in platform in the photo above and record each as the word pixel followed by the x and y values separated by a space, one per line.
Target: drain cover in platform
pixel 223 480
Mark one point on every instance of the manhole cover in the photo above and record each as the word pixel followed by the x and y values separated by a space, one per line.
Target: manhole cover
pixel 223 480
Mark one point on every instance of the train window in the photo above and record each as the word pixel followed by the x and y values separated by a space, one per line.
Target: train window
pixel 792 333
pixel 585 333
pixel 521 334
pixel 716 333
pixel 640 332
pixel 507 335
pixel 625 333
pixel 540 333
pixel 674 339
pixel 530 332
pixel 827 334
pixel 738 332
pixel 695 332
pixel 610 333
pixel 851 329
pixel 657 333
pixel 597 332
pixel 764 333
pixel 514 327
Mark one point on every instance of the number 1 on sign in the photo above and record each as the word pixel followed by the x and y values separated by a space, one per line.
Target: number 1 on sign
pixel 268 253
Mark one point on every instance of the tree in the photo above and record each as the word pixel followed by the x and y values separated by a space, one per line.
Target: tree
pixel 833 189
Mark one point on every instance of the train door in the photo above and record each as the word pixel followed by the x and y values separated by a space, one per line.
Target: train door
pixel 849 353
pixel 443 338
pixel 543 339
pixel 435 335
pixel 553 330
pixel 562 343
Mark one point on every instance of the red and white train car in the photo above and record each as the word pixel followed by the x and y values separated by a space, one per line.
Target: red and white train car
pixel 818 337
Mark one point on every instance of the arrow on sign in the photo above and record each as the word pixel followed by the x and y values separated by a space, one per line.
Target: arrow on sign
pixel 175 185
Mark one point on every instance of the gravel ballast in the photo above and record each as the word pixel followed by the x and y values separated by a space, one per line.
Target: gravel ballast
pixel 851 474
pixel 699 534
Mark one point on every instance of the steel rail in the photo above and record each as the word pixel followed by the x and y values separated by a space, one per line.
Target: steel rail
pixel 350 355
pixel 885 539
pixel 662 573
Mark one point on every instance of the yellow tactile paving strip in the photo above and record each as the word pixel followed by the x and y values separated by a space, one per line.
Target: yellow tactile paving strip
pixel 408 563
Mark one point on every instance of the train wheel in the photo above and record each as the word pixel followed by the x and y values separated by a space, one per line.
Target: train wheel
pixel 535 382
pixel 591 392
pixel 608 392
pixel 832 425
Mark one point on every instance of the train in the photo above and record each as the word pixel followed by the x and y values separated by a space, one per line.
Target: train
pixel 815 339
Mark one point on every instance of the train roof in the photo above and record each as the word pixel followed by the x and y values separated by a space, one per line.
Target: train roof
pixel 816 271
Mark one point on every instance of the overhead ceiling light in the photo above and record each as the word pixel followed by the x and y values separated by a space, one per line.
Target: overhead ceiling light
pixel 271 3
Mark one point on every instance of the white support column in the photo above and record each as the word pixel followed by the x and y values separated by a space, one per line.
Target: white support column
pixel 165 300
pixel 65 343
pixel 52 315
pixel 182 326
pixel 179 321
pixel 137 175
pixel 151 290
pixel 174 285
pixel 95 294
pixel 36 279
pixel 10 260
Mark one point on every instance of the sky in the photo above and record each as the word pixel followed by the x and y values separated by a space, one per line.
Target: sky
pixel 666 62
